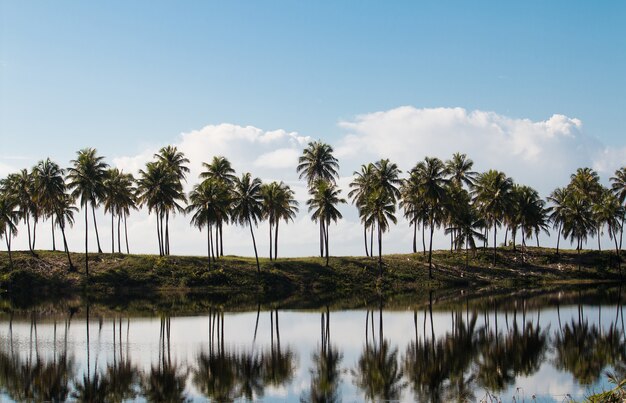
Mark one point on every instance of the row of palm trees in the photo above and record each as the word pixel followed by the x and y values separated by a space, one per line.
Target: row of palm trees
pixel 436 194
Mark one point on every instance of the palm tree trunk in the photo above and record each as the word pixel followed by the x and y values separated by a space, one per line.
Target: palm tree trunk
pixel 372 241
pixel 30 245
pixel 506 235
pixel 95 225
pixel 578 253
pixel 54 244
pixel 35 220
pixel 67 250
pixel 326 238
pixel 424 238
pixel 621 235
pixel 216 250
pixel 119 239
pixel 599 247
pixel 213 244
pixel 558 239
pixel 276 240
pixel 430 250
pixel 221 239
pixel 112 232
pixel 86 243
pixel 158 228
pixel 495 230
pixel 167 232
pixel 365 239
pixel 7 239
pixel 380 250
pixel 321 237
pixel 415 237
pixel 537 236
pixel 451 241
pixel 208 245
pixel 126 233
pixel 271 249
pixel 466 253
pixel 256 255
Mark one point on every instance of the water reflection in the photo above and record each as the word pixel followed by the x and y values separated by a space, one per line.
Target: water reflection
pixel 463 350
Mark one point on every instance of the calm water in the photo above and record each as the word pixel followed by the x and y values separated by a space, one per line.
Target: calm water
pixel 550 346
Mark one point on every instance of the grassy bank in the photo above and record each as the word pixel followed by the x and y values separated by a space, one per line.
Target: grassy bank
pixel 345 277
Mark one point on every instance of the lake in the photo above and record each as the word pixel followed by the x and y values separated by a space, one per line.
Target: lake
pixel 551 345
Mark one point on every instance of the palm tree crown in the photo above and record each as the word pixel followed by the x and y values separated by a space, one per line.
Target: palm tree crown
pixel 317 162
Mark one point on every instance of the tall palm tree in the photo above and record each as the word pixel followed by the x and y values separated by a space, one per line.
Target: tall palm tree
pixel 49 189
pixel 278 203
pixel 578 220
pixel 382 209
pixel 125 200
pixel 361 187
pixel 491 194
pixel 318 163
pixel 430 175
pixel 558 198
pixel 175 161
pixel 618 184
pixel 459 170
pixel 247 207
pixel 111 184
pixel 220 169
pixel 159 188
pixel 208 201
pixel 22 186
pixel 530 213
pixel 323 204
pixel 86 178
pixel 9 215
pixel 609 212
pixel 414 206
pixel 586 182
pixel 64 211
pixel 466 225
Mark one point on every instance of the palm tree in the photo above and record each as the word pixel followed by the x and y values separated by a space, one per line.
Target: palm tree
pixel 278 203
pixel 491 194
pixel 208 202
pixel 432 184
pixel 174 161
pixel 467 226
pixel 578 220
pixel 64 211
pixel 609 212
pixel 247 207
pixel 86 178
pixel 49 189
pixel 459 170
pixel 9 215
pixel 220 169
pixel 125 200
pixel 323 202
pixel 22 186
pixel 382 209
pixel 318 163
pixel 361 186
pixel 414 206
pixel 558 198
pixel 111 184
pixel 161 191
pixel 619 187
pixel 530 213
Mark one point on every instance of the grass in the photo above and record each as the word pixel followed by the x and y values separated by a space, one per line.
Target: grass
pixel 307 278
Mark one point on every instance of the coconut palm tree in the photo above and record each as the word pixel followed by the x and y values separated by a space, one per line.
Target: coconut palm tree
pixel 361 187
pixel 414 206
pixel 86 178
pixel 125 200
pixel 558 198
pixel 467 226
pixel 382 208
pixel 22 186
pixel 578 220
pixel 247 207
pixel 219 169
pixel 209 201
pixel 64 211
pixel 175 161
pixel 318 163
pixel 278 203
pixel 618 184
pixel 159 188
pixel 49 189
pixel 459 170
pixel 430 176
pixel 492 196
pixel 9 215
pixel 323 204
pixel 609 212
pixel 529 212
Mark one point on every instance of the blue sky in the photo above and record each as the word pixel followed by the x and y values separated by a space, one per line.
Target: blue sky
pixel 118 75
pixel 540 85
